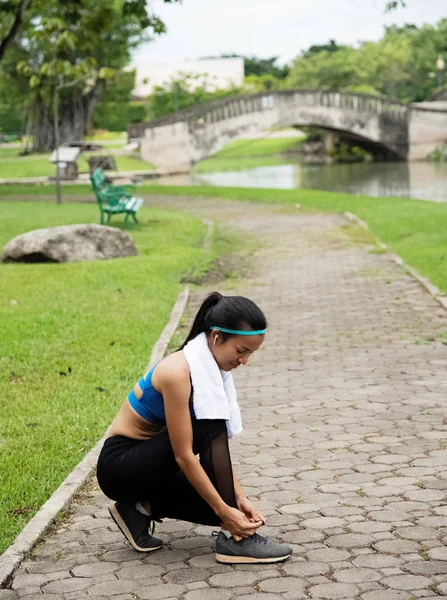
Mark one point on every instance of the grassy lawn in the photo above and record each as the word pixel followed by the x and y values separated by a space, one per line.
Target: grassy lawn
pixel 9 152
pixel 126 163
pixel 38 165
pixel 414 229
pixel 260 147
pixel 107 135
pixel 248 154
pixel 75 337
pixel 216 164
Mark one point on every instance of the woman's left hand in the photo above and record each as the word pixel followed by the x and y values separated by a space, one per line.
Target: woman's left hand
pixel 252 513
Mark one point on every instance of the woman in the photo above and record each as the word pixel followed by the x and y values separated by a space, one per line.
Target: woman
pixel 183 407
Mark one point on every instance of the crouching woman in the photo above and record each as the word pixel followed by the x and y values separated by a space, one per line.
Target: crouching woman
pixel 167 454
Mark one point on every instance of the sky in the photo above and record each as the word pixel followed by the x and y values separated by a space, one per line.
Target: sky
pixel 266 28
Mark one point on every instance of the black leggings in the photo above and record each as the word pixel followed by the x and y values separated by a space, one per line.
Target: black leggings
pixel 146 470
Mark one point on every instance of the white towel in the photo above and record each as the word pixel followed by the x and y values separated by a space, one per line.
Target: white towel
pixel 214 392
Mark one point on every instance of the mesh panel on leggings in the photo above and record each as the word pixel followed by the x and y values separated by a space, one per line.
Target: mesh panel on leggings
pixel 217 455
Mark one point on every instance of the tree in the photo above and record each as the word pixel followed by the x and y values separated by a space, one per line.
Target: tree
pixel 11 19
pixel 76 47
pixel 184 92
pixel 120 88
pixel 253 65
pixel 400 65
pixel 328 70
pixel 264 66
pixel 261 83
pixel 393 4
pixel 330 47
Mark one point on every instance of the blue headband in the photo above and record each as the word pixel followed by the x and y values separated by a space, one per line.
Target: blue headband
pixel 238 331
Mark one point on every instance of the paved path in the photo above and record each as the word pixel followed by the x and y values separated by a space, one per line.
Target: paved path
pixel 344 444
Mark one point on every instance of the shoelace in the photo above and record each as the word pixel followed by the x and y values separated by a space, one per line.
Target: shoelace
pixel 258 539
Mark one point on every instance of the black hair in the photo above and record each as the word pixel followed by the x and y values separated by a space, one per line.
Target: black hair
pixel 231 312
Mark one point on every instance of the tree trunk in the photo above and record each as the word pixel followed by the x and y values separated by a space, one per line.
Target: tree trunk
pixel 14 27
pixel 75 112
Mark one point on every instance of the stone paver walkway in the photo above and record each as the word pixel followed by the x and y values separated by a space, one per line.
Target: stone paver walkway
pixel 345 441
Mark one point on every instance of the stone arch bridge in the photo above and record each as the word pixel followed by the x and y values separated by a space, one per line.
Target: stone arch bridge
pixel 388 129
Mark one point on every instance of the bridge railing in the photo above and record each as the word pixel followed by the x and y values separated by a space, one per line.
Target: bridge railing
pixel 235 106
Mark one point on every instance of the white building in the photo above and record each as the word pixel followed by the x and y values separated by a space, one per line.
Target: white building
pixel 215 73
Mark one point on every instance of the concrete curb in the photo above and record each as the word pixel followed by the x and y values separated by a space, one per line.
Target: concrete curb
pixel 426 283
pixel 35 529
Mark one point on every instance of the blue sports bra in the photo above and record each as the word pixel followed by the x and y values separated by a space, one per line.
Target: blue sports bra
pixel 148 403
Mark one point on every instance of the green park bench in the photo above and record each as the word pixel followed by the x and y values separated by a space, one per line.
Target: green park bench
pixel 114 199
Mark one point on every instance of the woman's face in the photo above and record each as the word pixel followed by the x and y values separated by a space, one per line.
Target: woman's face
pixel 235 351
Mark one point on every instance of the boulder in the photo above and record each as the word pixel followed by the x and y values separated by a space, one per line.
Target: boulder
pixel 69 243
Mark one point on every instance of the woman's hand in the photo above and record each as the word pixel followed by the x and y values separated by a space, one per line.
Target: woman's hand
pixel 237 523
pixel 252 513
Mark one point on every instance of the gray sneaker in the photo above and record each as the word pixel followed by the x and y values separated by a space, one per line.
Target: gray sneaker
pixel 254 549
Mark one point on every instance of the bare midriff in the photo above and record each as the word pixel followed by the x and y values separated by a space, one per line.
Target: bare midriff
pixel 129 423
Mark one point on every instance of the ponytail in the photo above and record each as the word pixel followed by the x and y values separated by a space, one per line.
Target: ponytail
pixel 230 312
pixel 200 322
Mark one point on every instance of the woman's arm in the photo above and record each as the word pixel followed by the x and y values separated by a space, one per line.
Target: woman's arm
pixel 175 388
pixel 250 510
pixel 240 494
pixel 178 421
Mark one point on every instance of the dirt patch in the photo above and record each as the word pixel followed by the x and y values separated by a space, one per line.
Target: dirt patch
pixel 230 266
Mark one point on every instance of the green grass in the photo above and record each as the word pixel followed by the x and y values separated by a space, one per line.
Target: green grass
pixel 38 165
pixel 113 145
pixel 107 135
pixel 9 152
pixel 213 165
pixel 260 147
pixel 26 166
pixel 125 163
pixel 74 338
pixel 43 189
pixel 249 154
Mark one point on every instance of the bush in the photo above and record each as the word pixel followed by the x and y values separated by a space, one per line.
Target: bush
pixel 439 154
pixel 116 116
pixel 11 119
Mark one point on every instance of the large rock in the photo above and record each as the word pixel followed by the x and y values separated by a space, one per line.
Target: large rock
pixel 69 243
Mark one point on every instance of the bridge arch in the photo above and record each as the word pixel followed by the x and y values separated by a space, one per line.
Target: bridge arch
pixel 378 149
pixel 188 136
